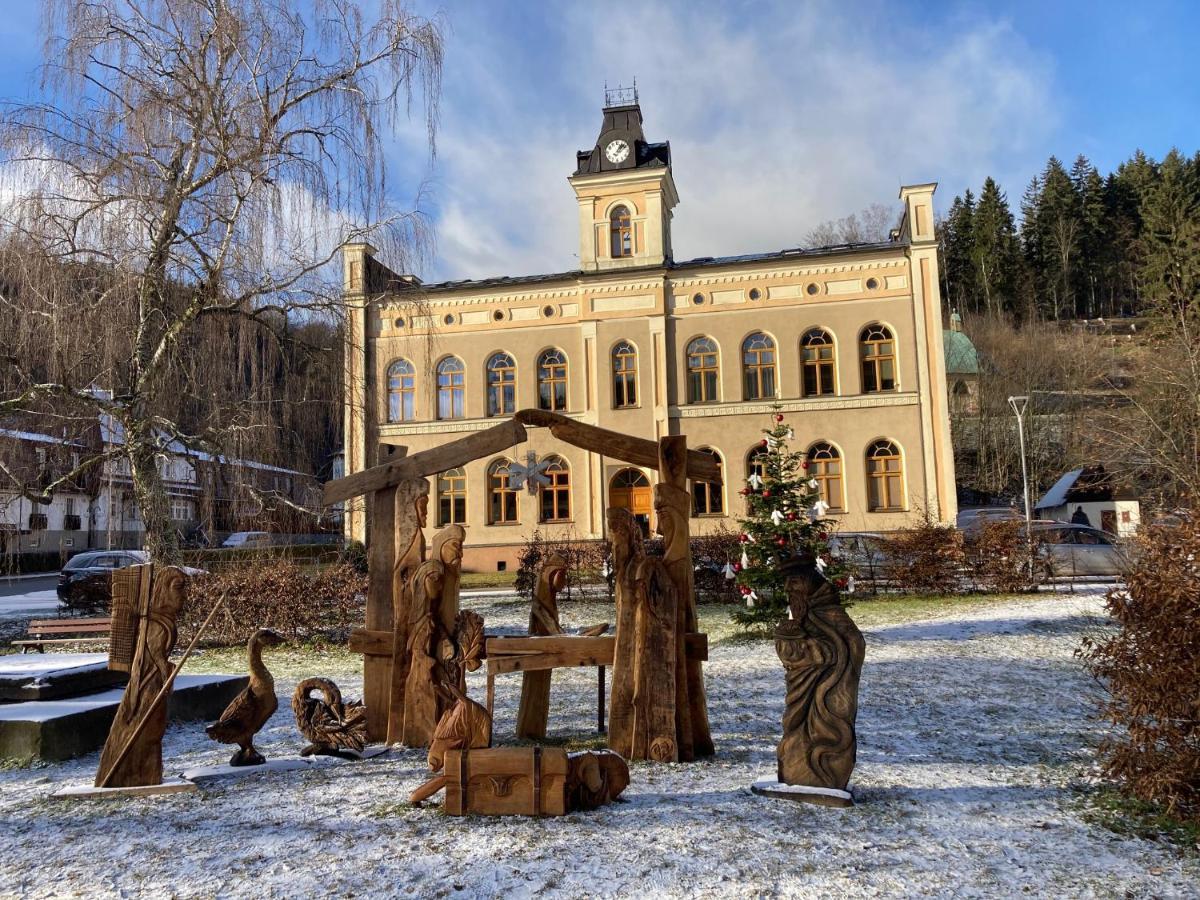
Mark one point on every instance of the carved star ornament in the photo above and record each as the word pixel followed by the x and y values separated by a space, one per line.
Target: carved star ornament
pixel 530 476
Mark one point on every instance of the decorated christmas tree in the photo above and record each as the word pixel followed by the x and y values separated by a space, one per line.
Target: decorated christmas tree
pixel 785 516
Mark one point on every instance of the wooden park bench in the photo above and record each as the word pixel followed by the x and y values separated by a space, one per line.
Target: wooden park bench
pixel 65 631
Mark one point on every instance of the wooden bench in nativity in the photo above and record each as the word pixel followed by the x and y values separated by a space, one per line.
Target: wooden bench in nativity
pixel 42 632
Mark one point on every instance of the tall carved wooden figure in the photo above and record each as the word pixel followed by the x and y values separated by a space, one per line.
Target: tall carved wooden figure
pixel 425 671
pixel 626 538
pixel 673 509
pixel 822 653
pixel 655 714
pixel 447 548
pixel 543 620
pixel 132 755
pixel 411 509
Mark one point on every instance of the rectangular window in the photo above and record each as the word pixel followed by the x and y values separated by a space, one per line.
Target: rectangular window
pixel 37 522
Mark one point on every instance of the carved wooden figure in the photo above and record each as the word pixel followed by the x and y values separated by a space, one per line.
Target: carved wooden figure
pixel 447 547
pixel 132 755
pixel 543 620
pixel 627 553
pixel 411 509
pixel 655 670
pixel 822 653
pixel 249 711
pixel 673 506
pixel 425 670
pixel 332 725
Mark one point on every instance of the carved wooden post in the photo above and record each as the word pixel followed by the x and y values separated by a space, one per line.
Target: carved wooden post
pixel 673 507
pixel 133 757
pixel 377 660
pixel 626 538
pixel 411 505
pixel 656 672
pixel 543 619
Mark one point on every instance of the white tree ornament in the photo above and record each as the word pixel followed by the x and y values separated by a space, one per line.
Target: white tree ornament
pixel 728 571
pixel 754 481
pixel 818 509
pixel 776 517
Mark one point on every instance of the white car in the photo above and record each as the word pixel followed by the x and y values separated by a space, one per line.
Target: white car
pixel 246 539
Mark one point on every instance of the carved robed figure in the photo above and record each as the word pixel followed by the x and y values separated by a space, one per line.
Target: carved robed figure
pixel 822 653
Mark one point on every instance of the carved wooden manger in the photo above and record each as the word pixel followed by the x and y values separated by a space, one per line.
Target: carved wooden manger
pixel 415 638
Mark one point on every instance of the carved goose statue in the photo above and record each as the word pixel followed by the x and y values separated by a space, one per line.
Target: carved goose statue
pixel 250 709
pixel 333 726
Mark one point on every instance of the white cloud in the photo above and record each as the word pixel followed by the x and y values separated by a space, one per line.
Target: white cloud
pixel 804 113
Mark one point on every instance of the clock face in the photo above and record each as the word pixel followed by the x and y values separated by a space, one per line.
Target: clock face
pixel 617 151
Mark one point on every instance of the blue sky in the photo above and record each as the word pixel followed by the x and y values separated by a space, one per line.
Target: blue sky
pixel 780 114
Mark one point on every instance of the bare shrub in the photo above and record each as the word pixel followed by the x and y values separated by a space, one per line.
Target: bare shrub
pixel 710 554
pixel 305 603
pixel 998 558
pixel 926 558
pixel 585 562
pixel 1151 668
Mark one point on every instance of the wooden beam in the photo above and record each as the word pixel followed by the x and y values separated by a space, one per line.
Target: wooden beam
pixel 634 450
pixel 427 462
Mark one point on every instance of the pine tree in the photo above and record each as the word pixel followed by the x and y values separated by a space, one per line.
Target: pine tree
pixel 995 251
pixel 958 234
pixel 784 517
pixel 1059 229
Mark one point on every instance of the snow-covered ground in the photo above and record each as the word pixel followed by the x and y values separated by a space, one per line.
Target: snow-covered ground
pixel 973 726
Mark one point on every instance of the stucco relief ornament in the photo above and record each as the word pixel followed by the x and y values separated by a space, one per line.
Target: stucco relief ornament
pixel 755 481
pixel 530 476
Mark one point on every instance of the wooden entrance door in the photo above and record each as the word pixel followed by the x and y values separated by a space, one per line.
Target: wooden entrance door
pixel 630 489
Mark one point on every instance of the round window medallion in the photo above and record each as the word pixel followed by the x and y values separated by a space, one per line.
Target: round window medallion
pixel 399 323
pixel 754 294
pixel 698 299
pixel 813 288
pixel 548 311
pixel 449 319
pixel 498 315
pixel 872 283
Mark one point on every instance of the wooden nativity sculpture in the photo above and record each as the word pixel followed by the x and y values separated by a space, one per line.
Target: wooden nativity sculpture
pixel 333 727
pixel 822 653
pixel 534 710
pixel 250 710
pixel 146 604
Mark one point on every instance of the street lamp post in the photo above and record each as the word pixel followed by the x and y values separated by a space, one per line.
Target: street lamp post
pixel 1018 405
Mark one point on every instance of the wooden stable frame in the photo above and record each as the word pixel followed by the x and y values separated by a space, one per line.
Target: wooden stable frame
pixel 393 525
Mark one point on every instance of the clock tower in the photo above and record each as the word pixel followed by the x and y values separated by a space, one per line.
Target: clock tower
pixel 625 191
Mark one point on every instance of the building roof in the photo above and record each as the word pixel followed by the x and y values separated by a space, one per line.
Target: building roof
pixel 1091 484
pixel 669 266
pixel 113 432
pixel 37 438
pixel 961 356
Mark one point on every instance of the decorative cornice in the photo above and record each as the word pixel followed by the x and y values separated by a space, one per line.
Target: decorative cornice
pixel 450 426
pixel 814 404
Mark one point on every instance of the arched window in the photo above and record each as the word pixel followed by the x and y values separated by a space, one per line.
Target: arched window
pixel 630 489
pixel 758 367
pixel 756 462
pixel 450 375
pixel 878 359
pixel 501 385
pixel 624 373
pixel 552 381
pixel 708 496
pixel 452 497
pixel 401 391
pixel 819 374
pixel 825 467
pixel 885 477
pixel 621 231
pixel 555 497
pixel 502 496
pixel 703 371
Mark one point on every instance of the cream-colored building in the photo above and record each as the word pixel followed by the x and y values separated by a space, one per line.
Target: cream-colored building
pixel 845 341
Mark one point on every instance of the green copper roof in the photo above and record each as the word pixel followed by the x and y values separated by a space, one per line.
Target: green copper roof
pixel 961 356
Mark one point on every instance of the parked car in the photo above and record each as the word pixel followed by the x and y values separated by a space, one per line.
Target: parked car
pixel 85 581
pixel 865 553
pixel 247 539
pixel 971 520
pixel 1068 551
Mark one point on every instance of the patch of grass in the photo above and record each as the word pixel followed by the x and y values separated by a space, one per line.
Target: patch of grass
pixel 1108 807
pixel 487 579
pixel 288 661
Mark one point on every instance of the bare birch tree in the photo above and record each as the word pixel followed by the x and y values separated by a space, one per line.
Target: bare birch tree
pixel 177 202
